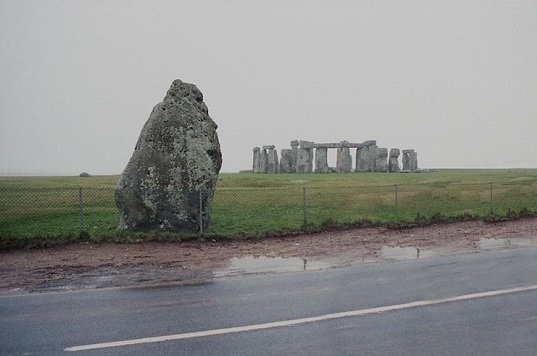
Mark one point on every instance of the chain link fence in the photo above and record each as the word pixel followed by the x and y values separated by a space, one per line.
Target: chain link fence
pixel 261 211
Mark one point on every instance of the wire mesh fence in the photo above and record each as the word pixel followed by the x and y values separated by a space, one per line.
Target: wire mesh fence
pixel 250 211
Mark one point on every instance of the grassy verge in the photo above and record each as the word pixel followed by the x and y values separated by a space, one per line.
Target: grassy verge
pixel 45 211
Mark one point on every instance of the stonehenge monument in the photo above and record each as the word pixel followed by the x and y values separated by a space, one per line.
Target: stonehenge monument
pixel 309 157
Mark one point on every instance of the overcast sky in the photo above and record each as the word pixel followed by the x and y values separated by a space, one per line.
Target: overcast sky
pixel 455 80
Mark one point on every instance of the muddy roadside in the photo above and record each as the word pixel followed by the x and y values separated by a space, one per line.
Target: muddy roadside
pixel 83 266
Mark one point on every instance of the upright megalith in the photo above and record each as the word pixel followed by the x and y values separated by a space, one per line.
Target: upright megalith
pixel 414 161
pixel 288 158
pixel 410 161
pixel 263 161
pixel 287 163
pixel 393 160
pixel 381 160
pixel 343 158
pixel 321 160
pixel 371 154
pixel 170 179
pixel 362 159
pixel 294 148
pixel 256 166
pixel 304 161
pixel 272 159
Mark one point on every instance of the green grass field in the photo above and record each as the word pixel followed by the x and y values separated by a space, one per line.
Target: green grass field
pixel 45 210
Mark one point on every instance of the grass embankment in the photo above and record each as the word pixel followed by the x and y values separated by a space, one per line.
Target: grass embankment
pixel 46 210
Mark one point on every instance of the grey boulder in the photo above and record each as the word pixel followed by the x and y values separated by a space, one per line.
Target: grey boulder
pixel 170 179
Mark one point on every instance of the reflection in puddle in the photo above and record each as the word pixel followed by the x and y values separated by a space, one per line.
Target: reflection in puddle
pixel 494 243
pixel 412 253
pixel 490 243
pixel 405 253
pixel 265 264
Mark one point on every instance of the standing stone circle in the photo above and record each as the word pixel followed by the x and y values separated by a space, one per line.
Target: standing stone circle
pixel 174 168
pixel 299 159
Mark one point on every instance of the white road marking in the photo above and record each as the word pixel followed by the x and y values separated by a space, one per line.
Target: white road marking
pixel 294 322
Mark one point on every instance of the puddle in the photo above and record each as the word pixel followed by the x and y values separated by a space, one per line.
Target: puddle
pixel 265 264
pixel 413 253
pixel 485 243
pixel 406 253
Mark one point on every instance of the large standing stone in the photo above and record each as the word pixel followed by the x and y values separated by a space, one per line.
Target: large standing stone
pixel 414 162
pixel 372 149
pixel 410 161
pixel 304 161
pixel 272 159
pixel 287 161
pixel 362 159
pixel 256 167
pixel 381 161
pixel 393 160
pixel 321 160
pixel 174 168
pixel 294 148
pixel 263 161
pixel 343 158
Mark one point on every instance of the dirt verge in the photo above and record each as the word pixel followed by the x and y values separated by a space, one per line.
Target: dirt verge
pixel 110 265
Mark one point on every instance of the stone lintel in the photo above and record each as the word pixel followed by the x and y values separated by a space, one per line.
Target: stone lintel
pixel 307 144
pixel 269 147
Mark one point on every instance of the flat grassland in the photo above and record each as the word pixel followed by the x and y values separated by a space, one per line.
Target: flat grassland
pixel 60 209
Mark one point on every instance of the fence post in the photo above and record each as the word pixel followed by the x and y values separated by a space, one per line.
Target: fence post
pixel 201 212
pixel 396 194
pixel 491 192
pixel 81 209
pixel 305 207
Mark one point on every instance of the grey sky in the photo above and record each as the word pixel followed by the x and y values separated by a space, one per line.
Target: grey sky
pixel 455 80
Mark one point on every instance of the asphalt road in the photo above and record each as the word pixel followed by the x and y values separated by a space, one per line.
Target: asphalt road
pixel 377 301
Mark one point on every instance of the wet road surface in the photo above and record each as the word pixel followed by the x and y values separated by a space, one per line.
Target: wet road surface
pixel 506 323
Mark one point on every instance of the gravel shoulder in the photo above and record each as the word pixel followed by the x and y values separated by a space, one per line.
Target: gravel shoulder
pixel 83 266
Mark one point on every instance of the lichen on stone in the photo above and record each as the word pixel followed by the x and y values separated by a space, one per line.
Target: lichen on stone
pixel 174 167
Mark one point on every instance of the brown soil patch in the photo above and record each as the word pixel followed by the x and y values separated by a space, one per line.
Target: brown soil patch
pixel 110 265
